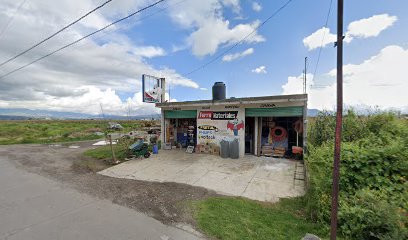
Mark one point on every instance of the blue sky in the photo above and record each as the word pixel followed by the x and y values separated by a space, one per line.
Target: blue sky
pixel 282 52
pixel 107 68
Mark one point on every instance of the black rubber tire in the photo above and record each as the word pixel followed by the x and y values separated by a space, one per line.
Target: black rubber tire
pixel 147 155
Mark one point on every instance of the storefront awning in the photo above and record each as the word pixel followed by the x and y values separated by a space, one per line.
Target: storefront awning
pixel 274 112
pixel 180 114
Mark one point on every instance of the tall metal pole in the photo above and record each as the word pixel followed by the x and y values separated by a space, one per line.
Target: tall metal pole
pixel 305 80
pixel 339 121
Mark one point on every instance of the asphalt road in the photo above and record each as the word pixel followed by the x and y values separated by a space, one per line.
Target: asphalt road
pixel 35 207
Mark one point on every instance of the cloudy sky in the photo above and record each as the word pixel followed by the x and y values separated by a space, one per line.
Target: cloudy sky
pixel 177 36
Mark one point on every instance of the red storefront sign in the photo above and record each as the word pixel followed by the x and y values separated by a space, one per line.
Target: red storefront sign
pixel 205 115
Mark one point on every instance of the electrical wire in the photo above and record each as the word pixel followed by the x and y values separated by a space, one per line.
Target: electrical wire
pixel 321 45
pixel 11 18
pixel 163 9
pixel 82 38
pixel 54 34
pixel 240 41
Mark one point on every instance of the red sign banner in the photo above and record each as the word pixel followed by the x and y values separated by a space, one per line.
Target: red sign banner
pixel 205 115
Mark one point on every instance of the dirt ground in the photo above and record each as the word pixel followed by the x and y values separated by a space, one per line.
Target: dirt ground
pixel 165 202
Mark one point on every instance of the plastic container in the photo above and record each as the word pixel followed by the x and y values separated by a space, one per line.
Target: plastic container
pixel 224 148
pixel 234 149
pixel 155 149
pixel 219 91
pixel 297 150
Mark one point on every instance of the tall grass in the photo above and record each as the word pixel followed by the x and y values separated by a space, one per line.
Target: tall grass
pixel 50 131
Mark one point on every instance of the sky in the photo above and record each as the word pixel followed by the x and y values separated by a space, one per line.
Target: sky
pixel 178 36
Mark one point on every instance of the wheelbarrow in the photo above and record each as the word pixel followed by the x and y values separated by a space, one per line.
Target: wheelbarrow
pixel 139 149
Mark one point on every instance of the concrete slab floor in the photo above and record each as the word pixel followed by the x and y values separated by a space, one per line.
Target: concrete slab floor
pixel 258 178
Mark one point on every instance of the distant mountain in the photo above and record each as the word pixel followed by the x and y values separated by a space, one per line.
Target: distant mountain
pixel 23 113
pixel 312 112
pixel 10 117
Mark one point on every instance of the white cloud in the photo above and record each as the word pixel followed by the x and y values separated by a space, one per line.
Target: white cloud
pixel 318 98
pixel 205 19
pixel 259 70
pixel 370 27
pixel 4 104
pixel 90 103
pixel 235 56
pixel 314 40
pixel 204 89
pixel 177 48
pixel 93 70
pixel 379 81
pixel 363 28
pixel 234 4
pixel 149 51
pixel 256 7
pixel 220 33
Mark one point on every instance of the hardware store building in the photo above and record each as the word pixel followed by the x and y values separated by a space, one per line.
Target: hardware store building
pixel 261 125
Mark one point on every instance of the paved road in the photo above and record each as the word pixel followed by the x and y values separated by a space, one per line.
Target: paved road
pixel 34 207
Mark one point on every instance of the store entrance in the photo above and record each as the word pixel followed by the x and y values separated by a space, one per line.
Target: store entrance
pixel 279 135
pixel 182 132
pixel 249 135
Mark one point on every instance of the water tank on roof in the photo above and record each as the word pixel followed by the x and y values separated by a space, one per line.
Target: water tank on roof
pixel 219 91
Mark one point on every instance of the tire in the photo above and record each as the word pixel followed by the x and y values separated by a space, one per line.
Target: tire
pixel 147 155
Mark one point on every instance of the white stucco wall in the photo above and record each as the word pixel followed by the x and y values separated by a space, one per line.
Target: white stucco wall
pixel 211 129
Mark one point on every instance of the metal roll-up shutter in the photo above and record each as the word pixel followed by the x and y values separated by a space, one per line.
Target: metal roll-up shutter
pixel 274 112
pixel 180 114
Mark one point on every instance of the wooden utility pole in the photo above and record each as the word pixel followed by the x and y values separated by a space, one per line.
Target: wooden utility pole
pixel 113 152
pixel 339 122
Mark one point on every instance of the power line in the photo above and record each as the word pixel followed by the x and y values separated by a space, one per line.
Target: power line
pixel 53 35
pixel 239 42
pixel 163 9
pixel 321 45
pixel 11 18
pixel 80 39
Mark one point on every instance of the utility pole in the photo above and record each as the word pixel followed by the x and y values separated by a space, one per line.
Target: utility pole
pixel 103 114
pixel 339 122
pixel 305 77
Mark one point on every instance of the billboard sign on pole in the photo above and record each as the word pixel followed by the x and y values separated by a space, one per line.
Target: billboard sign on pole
pixel 153 89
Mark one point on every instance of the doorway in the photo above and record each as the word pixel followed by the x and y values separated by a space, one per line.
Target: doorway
pixel 249 135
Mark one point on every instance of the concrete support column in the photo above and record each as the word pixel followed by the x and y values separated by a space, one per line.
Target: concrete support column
pixel 305 128
pixel 255 144
pixel 162 129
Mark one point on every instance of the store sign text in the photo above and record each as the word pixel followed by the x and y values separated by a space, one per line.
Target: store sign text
pixel 218 115
pixel 205 115
pixel 206 134
pixel 208 127
pixel 267 105
pixel 224 115
pixel 231 107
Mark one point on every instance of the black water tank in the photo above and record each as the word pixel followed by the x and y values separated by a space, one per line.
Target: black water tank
pixel 218 91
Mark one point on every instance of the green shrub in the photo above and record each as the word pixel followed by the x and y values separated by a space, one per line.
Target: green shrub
pixel 366 215
pixel 353 127
pixel 321 129
pixel 373 172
